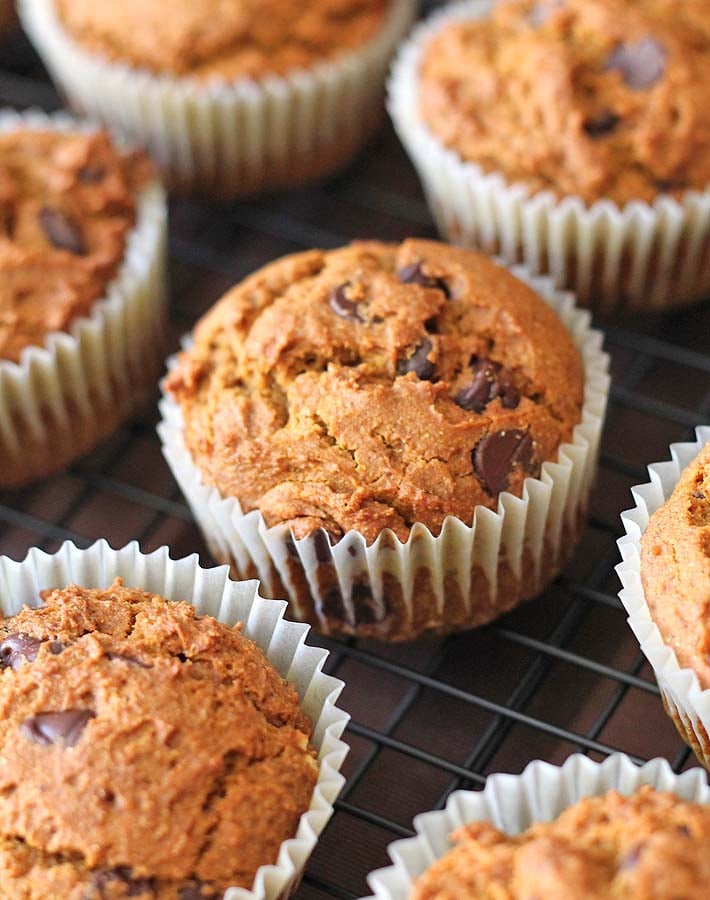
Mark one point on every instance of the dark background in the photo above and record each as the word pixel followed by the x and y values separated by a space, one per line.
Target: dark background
pixel 560 675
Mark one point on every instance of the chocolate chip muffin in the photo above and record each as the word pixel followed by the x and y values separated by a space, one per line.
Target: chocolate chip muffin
pixel 67 204
pixel 651 844
pixel 147 751
pixel 675 568
pixel 376 390
pixel 230 98
pixel 580 97
pixel 82 293
pixel 568 135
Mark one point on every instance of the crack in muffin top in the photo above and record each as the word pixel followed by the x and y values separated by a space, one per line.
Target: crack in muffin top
pixel 147 751
pixel 595 98
pixel 376 386
pixel 67 204
pixel 222 39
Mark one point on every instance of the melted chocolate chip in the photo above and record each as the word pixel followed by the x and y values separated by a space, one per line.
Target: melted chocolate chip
pixel 17 647
pixel 195 890
pixel 62 231
pixel 500 452
pixel 342 306
pixel 418 363
pixel 56 647
pixel 699 495
pixel 134 886
pixel 92 174
pixel 641 64
pixel 414 274
pixel 48 728
pixel 488 381
pixel 602 124
pixel 684 830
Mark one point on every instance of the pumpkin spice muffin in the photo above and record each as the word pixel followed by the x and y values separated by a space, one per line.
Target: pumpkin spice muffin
pixel 651 844
pixel 108 697
pixel 230 97
pixel 377 390
pixel 82 225
pixel 580 101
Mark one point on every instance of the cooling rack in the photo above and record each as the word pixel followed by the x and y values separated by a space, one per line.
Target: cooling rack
pixel 559 675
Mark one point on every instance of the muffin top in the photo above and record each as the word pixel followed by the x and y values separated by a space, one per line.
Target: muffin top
pixel 595 98
pixel 375 386
pixel 221 39
pixel 147 751
pixel 650 846
pixel 67 202
pixel 675 567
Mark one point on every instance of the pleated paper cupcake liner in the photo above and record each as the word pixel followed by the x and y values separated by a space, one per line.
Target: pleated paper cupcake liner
pixel 467 575
pixel 685 701
pixel 512 803
pixel 229 139
pixel 640 256
pixel 212 593
pixel 61 399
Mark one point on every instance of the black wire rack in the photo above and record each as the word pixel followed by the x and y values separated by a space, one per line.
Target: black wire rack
pixel 561 674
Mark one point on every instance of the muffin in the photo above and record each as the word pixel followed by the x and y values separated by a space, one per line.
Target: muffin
pixel 108 695
pixel 8 19
pixel 584 830
pixel 551 131
pixel 231 97
pixel 358 415
pixel 82 228
pixel 665 576
pixel 648 844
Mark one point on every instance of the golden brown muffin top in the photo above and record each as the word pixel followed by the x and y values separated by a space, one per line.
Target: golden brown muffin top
pixel 147 751
pixel 375 386
pixel 67 203
pixel 596 98
pixel 222 39
pixel 675 568
pixel 650 846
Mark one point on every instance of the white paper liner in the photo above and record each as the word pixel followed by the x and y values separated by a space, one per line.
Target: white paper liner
pixel 513 803
pixel 528 537
pixel 639 256
pixel 236 138
pixel 212 592
pixel 687 703
pixel 62 398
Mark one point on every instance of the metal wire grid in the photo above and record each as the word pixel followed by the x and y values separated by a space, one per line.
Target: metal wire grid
pixel 560 675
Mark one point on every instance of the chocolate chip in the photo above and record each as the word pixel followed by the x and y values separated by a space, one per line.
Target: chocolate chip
pixel 414 274
pixel 195 890
pixel 48 728
pixel 488 381
pixel 92 174
pixel 498 453
pixel 640 64
pixel 134 886
pixel 56 647
pixel 684 830
pixel 699 495
pixel 631 859
pixel 601 124
pixel 342 306
pixel 17 647
pixel 62 231
pixel 418 363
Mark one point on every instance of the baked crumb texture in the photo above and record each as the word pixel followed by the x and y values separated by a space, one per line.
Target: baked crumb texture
pixel 594 98
pixel 147 752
